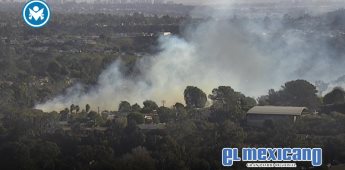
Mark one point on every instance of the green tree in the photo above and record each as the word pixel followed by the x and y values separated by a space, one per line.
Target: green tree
pixel 45 154
pixel 230 133
pixel 29 154
pixel 92 115
pixel 165 114
pixel 336 96
pixel 227 103
pixel 137 117
pixel 299 93
pixel 179 106
pixel 96 119
pixel 263 100
pixel 149 106
pixel 194 97
pixel 247 103
pixel 226 99
pixel 95 157
pixel 64 114
pixel 72 108
pixel 77 109
pixel 125 107
pixel 87 108
pixel 56 70
pixel 15 155
pixel 180 110
pixel 136 108
pixel 139 158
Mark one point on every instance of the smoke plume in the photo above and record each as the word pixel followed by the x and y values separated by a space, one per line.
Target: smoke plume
pixel 250 55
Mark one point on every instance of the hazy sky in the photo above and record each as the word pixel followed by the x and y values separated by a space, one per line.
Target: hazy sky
pixel 202 1
pixel 248 1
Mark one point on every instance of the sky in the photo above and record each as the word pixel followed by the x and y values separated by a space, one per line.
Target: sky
pixel 202 1
pixel 251 57
pixel 246 1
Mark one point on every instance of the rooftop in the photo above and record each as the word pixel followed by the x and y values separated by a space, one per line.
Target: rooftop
pixel 277 110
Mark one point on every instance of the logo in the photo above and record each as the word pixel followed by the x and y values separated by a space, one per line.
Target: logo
pixel 270 157
pixel 36 13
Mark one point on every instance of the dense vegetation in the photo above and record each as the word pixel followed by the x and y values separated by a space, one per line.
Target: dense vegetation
pixel 193 138
pixel 35 66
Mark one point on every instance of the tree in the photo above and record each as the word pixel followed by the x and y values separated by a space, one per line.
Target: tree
pixel 95 157
pixel 247 103
pixel 56 70
pixel 137 117
pixel 125 107
pixel 45 154
pixel 71 108
pixel 179 106
pixel 231 133
pixel 136 108
pixel 226 99
pixel 180 111
pixel 139 158
pixel 149 106
pixel 92 115
pixel 194 97
pixel 95 118
pixel 299 93
pixel 77 108
pixel 29 154
pixel 227 103
pixel 87 108
pixel 263 100
pixel 64 114
pixel 15 155
pixel 165 114
pixel 336 96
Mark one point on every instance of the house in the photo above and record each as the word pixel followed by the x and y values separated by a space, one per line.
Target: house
pixel 65 127
pixel 4 39
pixel 3 24
pixel 151 117
pixel 257 115
pixel 153 132
pixel 148 119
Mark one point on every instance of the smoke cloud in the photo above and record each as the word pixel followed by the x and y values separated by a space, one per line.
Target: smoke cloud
pixel 251 56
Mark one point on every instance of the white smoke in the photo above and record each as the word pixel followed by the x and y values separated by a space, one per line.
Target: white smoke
pixel 217 52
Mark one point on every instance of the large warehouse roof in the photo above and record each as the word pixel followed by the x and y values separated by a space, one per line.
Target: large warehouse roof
pixel 277 110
